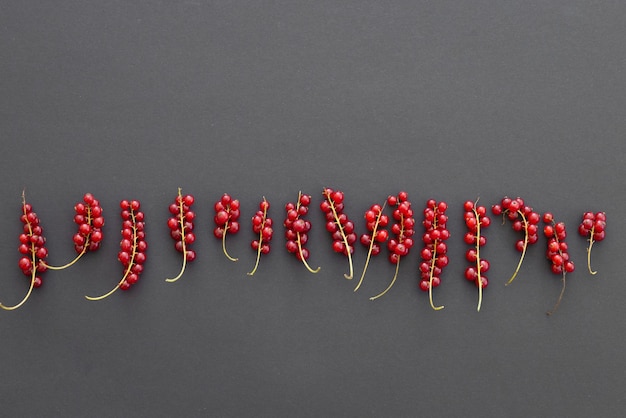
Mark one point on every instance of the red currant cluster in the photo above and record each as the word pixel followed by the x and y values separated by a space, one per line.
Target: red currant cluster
pixel 181 229
pixel 339 225
pixel 90 222
pixel 592 226
pixel 226 219
pixel 475 219
pixel 434 252
pixel 33 250
pixel 523 218
pixel 261 225
pixel 557 251
pixel 297 228
pixel 133 246
pixel 373 240
pixel 400 244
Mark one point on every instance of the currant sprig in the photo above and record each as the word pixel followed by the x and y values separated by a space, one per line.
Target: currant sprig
pixel 339 225
pixel 32 247
pixel 557 253
pixel 593 227
pixel 435 249
pixel 226 220
pixel 90 222
pixel 524 219
pixel 296 229
pixel 400 245
pixel 133 247
pixel 262 225
pixel 373 240
pixel 181 229
pixel 475 219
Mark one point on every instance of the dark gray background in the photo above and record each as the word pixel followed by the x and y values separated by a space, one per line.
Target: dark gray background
pixel 446 100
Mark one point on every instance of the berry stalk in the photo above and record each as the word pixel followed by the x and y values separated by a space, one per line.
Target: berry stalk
pixel 261 224
pixel 338 222
pixel 376 237
pixel 401 244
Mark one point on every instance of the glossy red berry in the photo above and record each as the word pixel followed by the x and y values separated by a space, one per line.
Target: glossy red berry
pixel 181 226
pixel 476 220
pixel 133 247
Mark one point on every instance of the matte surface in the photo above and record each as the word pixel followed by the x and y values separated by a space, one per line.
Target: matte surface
pixel 446 100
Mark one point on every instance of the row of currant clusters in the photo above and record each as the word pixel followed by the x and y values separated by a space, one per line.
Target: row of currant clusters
pixel 395 232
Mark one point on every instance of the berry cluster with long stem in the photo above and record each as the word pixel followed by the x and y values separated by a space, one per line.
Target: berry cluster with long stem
pixel 339 225
pixel 261 225
pixel 592 227
pixel 90 222
pixel 557 252
pixel 33 250
pixel 226 218
pixel 475 219
pixel 403 229
pixel 181 229
pixel 523 218
pixel 435 248
pixel 297 228
pixel 376 221
pixel 133 247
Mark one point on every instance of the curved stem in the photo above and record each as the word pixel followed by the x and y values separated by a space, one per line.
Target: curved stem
pixel 224 243
pixel 519 264
pixel 369 251
pixel 390 284
pixel 479 279
pixel 258 252
pixel 85 247
pixel 130 264
pixel 33 261
pixel 302 256
pixel 181 220
pixel 591 241
pixel 71 262
pixel 430 282
pixel 343 235
pixel 558 302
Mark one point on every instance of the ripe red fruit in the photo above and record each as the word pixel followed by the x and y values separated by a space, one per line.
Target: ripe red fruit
pixel 400 245
pixel 33 250
pixel 339 226
pixel 557 253
pixel 133 246
pixel 476 219
pixel 261 225
pixel 433 254
pixel 523 218
pixel 593 227
pixel 226 220
pixel 90 222
pixel 296 229
pixel 181 229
